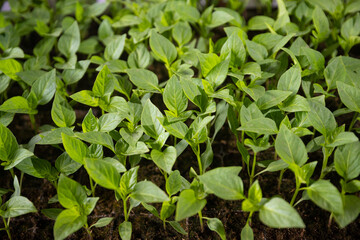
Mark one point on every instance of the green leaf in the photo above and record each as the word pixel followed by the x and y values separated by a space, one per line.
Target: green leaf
pixel 247 233
pixel 347 161
pixel 174 97
pixel 18 156
pixel 188 205
pixel 177 227
pixel 182 33
pixel 76 149
pixel 272 98
pixel 144 79
pixel 260 125
pixel 86 97
pixel 315 58
pixel 326 196
pixel 351 211
pixel 128 181
pixel 89 122
pixel 217 226
pixel 115 47
pixel 69 41
pixel 68 222
pixel 349 95
pixel 162 48
pixel 17 104
pixel 208 62
pixel 195 93
pixel 44 87
pixel 218 74
pixel 10 67
pixel 62 113
pixel 295 103
pixel 149 120
pixel 164 160
pixel 70 193
pixel 64 164
pixel 104 173
pixel 321 24
pixel 343 138
pixel 321 118
pixel 148 192
pixel 8 144
pixel 260 23
pixel 277 213
pixel 173 183
pixel 290 80
pixel 102 222
pixel 235 48
pixel 125 230
pixel 290 147
pixel 71 76
pixel 256 51
pixel 54 136
pixel 109 121
pixel 97 138
pixel 224 182
pixel 51 213
pixel 17 206
pixel 177 129
pixel 104 83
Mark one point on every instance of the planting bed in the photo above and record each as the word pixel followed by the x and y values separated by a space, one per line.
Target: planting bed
pixel 180 120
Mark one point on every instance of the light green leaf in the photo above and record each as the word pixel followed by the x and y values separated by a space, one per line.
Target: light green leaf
pixel 162 48
pixel 68 222
pixel 86 97
pixel 69 41
pixel 290 147
pixel 148 192
pixel 349 95
pixel 351 211
pixel 272 98
pixel 102 222
pixel 97 138
pixel 326 196
pixel 290 80
pixel 347 161
pixel 8 143
pixel 277 213
pixel 17 206
pixel 125 230
pixel 144 79
pixel 149 120
pixel 164 160
pixel 260 125
pixel 224 182
pixel 217 226
pixel 104 173
pixel 321 118
pixel 70 193
pixel 76 149
pixel 17 104
pixel 115 47
pixel 62 113
pixel 188 205
pixel 174 97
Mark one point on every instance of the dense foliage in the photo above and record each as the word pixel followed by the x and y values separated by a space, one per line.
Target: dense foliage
pixel 158 78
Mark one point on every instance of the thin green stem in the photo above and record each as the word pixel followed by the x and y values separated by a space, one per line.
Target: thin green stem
pixel 92 187
pixel 88 231
pixel 126 216
pixel 33 122
pixel 6 225
pixel 253 169
pixel 280 179
pixel 353 121
pixel 21 179
pixel 325 161
pixel 249 218
pixel 201 221
pixel 12 172
pixel 298 183
pixel 198 156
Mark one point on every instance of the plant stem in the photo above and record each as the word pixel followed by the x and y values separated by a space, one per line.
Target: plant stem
pixel 201 221
pixel 296 191
pixel 92 186
pixel 249 218
pixel 253 169
pixel 88 231
pixel 33 122
pixel 125 209
pixel 280 179
pixel 197 152
pixel 353 121
pixel 21 179
pixel 12 173
pixel 7 228
pixel 325 161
